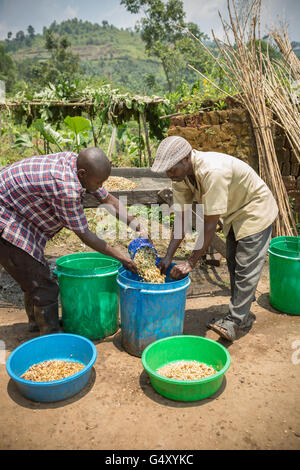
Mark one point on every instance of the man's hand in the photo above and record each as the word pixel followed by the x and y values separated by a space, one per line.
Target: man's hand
pixel 140 232
pixel 164 264
pixel 179 271
pixel 129 264
pixel 97 244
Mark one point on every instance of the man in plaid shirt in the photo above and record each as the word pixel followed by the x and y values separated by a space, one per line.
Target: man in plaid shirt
pixel 38 197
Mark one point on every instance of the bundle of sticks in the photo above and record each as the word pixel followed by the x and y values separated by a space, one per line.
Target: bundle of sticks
pixel 241 60
pixel 281 38
pixel 282 88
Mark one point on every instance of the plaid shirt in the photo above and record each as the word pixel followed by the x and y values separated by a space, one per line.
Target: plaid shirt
pixel 38 197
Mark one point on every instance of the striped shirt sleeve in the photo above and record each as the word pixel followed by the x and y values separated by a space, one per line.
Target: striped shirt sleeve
pixel 101 194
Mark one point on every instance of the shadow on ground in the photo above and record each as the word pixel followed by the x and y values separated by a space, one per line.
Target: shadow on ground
pixel 148 390
pixel 18 398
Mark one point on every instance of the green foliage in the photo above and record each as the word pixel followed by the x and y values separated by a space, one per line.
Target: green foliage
pixel 7 69
pixel 78 125
pixel 49 134
pixel 152 59
pixel 61 67
pixel 106 103
pixel 163 30
pixel 115 55
pixel 192 98
pixel 22 140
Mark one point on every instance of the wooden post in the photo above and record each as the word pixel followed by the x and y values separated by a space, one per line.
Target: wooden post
pixel 112 143
pixel 91 116
pixel 140 150
pixel 147 140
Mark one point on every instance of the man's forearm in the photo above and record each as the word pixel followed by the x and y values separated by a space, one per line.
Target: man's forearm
pixel 97 244
pixel 210 223
pixel 179 229
pixel 173 245
pixel 120 211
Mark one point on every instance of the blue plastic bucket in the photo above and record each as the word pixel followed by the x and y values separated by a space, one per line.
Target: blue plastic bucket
pixel 61 346
pixel 139 243
pixel 150 311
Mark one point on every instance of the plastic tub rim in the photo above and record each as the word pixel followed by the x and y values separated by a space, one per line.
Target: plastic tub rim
pixel 59 273
pixel 187 382
pixel 62 261
pixel 282 256
pixel 151 291
pixel 52 382
pixel 184 282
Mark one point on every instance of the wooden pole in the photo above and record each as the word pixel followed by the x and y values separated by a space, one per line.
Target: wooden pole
pixel 112 141
pixel 147 140
pixel 140 150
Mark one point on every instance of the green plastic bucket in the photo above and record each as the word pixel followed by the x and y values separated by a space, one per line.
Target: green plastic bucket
pixel 89 294
pixel 186 348
pixel 284 268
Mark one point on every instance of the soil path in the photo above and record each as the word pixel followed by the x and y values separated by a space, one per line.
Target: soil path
pixel 257 406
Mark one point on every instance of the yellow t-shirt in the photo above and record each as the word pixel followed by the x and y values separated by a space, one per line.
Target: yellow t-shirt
pixel 229 187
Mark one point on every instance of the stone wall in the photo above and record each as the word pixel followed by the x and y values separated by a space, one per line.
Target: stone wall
pixel 229 131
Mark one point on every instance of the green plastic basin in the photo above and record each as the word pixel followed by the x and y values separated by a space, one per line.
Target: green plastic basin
pixel 89 294
pixel 186 348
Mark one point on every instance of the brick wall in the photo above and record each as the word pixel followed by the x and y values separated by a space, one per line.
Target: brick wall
pixel 229 131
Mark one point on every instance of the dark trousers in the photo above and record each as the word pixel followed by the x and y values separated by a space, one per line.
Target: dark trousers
pixel 33 277
pixel 245 260
pixel 40 289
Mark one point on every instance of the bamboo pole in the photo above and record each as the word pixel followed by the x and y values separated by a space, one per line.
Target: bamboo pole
pixel 147 139
pixel 242 64
pixel 282 40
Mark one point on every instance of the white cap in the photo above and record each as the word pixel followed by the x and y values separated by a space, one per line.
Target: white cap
pixel 170 151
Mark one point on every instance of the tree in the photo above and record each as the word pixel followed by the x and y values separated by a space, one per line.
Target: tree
pixel 61 68
pixel 7 69
pixel 63 65
pixel 163 30
pixel 20 36
pixel 30 31
pixel 9 35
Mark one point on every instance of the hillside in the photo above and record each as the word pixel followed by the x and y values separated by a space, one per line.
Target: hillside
pixel 296 48
pixel 104 51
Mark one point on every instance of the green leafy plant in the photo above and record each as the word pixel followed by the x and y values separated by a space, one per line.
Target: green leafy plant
pixel 78 125
pixel 220 105
pixel 22 140
pixel 210 131
pixel 49 134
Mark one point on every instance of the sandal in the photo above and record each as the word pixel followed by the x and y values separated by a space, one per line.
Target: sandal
pixel 224 327
pixel 249 322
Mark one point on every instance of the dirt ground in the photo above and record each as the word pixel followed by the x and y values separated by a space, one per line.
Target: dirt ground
pixel 257 406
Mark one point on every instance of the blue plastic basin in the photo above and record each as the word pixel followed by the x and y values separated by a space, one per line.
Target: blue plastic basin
pixel 60 346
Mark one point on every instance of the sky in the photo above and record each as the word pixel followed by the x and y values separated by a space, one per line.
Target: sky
pixel 16 15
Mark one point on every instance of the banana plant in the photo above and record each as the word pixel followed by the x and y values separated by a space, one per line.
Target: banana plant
pixel 22 140
pixel 50 135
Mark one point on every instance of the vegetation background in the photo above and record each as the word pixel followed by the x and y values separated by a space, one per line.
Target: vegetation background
pixel 76 60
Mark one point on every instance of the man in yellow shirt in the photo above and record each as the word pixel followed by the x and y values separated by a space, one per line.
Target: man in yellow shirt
pixel 229 190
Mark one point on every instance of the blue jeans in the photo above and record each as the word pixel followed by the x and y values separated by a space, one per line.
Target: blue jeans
pixel 245 261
